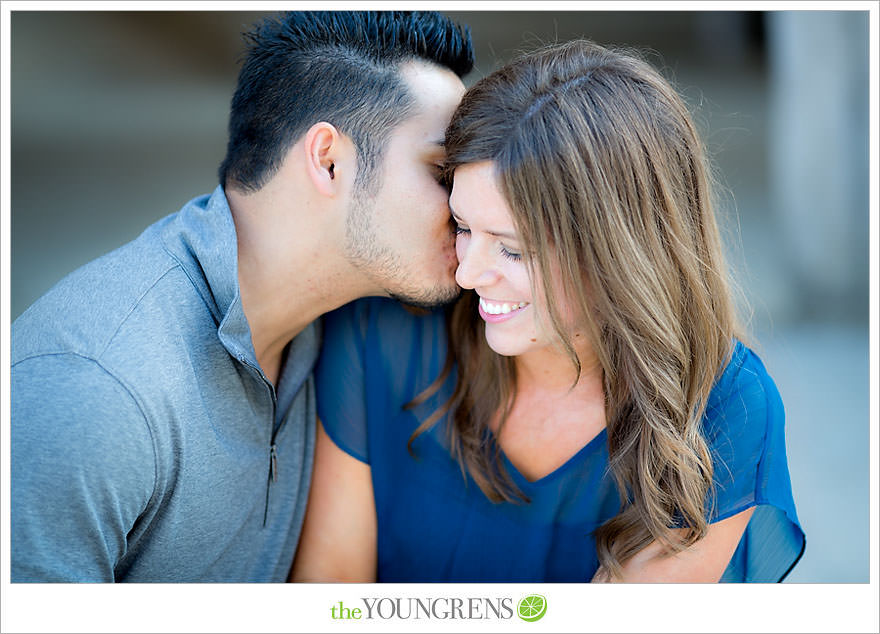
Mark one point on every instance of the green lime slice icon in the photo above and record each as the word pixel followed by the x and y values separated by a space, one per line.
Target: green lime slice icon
pixel 532 607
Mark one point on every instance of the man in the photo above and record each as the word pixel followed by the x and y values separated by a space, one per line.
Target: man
pixel 163 416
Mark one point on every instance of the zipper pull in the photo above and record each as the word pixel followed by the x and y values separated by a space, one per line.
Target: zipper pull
pixel 273 477
pixel 273 463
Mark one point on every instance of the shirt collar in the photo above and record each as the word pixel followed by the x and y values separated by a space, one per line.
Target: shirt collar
pixel 202 237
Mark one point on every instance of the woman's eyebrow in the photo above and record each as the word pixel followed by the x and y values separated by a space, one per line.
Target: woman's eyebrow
pixel 503 234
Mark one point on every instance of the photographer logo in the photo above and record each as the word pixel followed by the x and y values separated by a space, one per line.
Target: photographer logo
pixel 532 607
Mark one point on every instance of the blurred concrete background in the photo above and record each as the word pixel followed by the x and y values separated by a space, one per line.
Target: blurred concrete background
pixel 119 118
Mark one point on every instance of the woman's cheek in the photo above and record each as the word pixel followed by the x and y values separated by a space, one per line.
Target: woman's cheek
pixel 460 246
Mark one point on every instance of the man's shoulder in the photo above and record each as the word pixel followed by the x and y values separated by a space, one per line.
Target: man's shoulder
pixel 85 311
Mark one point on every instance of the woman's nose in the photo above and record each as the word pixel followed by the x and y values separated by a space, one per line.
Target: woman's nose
pixel 475 269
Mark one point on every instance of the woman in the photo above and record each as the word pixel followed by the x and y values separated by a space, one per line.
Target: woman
pixel 597 417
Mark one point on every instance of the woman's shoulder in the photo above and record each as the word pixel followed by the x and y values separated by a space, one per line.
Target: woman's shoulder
pixel 745 378
pixel 745 400
pixel 380 316
pixel 394 342
pixel 371 357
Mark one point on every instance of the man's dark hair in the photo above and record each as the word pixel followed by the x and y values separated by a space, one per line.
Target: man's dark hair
pixel 336 66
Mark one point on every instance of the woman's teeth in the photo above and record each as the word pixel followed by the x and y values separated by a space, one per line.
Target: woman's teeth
pixel 500 309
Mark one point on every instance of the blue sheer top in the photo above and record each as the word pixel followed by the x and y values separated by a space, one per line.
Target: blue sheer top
pixel 436 525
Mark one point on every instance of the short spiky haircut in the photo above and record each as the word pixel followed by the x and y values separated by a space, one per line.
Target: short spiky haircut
pixel 336 66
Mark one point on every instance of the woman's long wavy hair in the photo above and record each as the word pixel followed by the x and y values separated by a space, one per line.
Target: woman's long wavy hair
pixel 608 183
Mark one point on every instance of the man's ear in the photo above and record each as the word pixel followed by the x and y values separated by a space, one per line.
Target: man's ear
pixel 325 150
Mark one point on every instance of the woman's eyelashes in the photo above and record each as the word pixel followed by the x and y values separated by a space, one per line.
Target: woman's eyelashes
pixel 510 254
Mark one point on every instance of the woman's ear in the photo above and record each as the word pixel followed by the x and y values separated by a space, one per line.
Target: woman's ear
pixel 324 149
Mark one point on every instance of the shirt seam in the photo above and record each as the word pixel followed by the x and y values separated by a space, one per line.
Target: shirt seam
pixel 179 264
pixel 133 307
pixel 759 471
pixel 135 400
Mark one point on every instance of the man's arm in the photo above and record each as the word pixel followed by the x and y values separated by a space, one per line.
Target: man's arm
pixel 83 469
pixel 338 541
pixel 703 562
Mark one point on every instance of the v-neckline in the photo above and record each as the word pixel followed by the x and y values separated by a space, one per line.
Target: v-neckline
pixel 591 445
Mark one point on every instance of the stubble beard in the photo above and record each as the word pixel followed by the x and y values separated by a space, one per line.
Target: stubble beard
pixel 382 265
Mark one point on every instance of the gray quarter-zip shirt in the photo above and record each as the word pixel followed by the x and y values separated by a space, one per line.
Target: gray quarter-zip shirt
pixel 146 443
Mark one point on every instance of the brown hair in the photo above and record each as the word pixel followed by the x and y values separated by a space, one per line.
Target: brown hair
pixel 607 181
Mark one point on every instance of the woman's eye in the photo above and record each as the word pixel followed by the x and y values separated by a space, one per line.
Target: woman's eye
pixel 459 230
pixel 511 255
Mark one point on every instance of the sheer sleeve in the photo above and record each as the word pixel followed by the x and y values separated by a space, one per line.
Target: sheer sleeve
pixel 341 382
pixel 744 425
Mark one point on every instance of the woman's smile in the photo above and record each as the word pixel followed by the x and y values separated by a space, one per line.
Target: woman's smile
pixel 494 312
